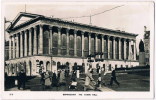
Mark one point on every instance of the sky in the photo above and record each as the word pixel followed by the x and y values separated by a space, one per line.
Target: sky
pixel 130 17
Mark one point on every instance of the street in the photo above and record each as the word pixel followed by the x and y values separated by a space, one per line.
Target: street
pixel 128 82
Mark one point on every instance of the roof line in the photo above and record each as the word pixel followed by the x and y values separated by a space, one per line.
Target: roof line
pixel 58 19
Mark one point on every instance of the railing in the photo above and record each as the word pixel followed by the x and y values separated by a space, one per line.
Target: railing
pixel 63 51
pixel 71 52
pixel 79 53
pixel 55 50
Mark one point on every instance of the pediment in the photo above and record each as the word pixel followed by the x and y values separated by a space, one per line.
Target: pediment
pixel 22 17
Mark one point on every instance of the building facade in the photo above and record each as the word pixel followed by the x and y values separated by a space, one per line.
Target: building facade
pixel 52 42
pixel 147 46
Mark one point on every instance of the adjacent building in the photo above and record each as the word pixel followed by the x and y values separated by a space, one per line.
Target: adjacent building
pixel 147 46
pixel 52 43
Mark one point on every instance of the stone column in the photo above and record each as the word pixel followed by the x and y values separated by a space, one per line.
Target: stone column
pixel 25 36
pixel 21 44
pixel 10 46
pixel 17 45
pixel 30 43
pixel 119 48
pixel 67 32
pixel 51 40
pixel 134 41
pixel 13 46
pixel 114 55
pixel 35 40
pixel 89 42
pixel 108 46
pixel 75 46
pixel 125 48
pixel 96 43
pixel 59 41
pixel 102 37
pixel 82 33
pixel 129 52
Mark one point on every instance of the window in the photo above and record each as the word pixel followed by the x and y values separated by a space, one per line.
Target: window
pixel 92 45
pixel 64 44
pixel 79 46
pixel 55 43
pixel 71 45
pixel 46 42
pixel 86 46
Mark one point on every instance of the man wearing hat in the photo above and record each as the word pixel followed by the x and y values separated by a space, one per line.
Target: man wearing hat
pixel 113 78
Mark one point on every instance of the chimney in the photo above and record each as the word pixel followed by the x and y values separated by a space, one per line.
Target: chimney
pixel 145 28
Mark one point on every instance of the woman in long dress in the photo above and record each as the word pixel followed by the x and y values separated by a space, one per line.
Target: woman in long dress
pixel 62 77
pixel 47 80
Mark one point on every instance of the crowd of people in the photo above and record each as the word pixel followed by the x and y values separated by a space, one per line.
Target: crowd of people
pixel 50 79
pixel 90 83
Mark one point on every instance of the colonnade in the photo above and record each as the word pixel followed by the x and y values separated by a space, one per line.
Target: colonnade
pixel 30 42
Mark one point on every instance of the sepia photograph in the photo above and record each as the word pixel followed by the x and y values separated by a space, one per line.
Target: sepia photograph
pixel 78 47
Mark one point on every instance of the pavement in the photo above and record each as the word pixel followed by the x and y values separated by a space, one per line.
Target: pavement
pixel 128 82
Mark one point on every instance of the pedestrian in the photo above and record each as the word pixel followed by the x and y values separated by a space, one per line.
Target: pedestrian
pixel 62 77
pixel 21 79
pixel 89 82
pixel 73 78
pixel 47 80
pixel 50 75
pixel 99 81
pixel 113 78
pixel 42 80
pixel 54 80
pixel 103 73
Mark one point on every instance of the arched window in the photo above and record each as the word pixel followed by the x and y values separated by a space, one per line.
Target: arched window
pixel 79 46
pixel 111 49
pixel 58 65
pixel 122 49
pixel 64 44
pixel 116 50
pixel 55 43
pixel 99 45
pixel 71 45
pixel 92 45
pixel 86 46
pixel 105 49
pixel 46 42
pixel 48 68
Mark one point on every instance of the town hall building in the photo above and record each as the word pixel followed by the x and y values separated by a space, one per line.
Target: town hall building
pixel 51 43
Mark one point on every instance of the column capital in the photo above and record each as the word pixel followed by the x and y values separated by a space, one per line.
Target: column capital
pixel 35 27
pixel 96 34
pixel 50 27
pixel 59 28
pixel 124 39
pixel 102 35
pixel 119 38
pixel 113 38
pixel 75 31
pixel 129 40
pixel 67 30
pixel 30 29
pixel 89 34
pixel 21 33
pixel 134 40
pixel 108 36
pixel 82 32
pixel 25 31
pixel 41 25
